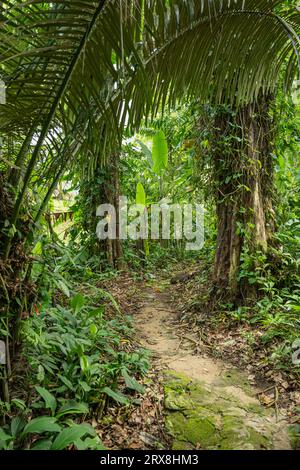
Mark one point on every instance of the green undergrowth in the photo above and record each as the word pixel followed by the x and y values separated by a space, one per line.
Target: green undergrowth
pixel 275 310
pixel 77 357
pixel 270 317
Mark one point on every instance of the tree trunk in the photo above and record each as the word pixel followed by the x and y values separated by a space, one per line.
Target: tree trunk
pixel 119 255
pixel 243 173
pixel 228 250
pixel 104 189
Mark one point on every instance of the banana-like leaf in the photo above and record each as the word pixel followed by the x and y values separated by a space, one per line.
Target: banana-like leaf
pixel 140 194
pixel 159 153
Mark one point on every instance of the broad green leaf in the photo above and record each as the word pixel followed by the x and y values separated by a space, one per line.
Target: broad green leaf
pixel 16 425
pixel 42 444
pixel 296 308
pixel 281 162
pixel 37 250
pixel 93 443
pixel 84 386
pixel 84 363
pixel 97 312
pixel 66 381
pixel 132 383
pixel 93 330
pixel 19 403
pixel 72 407
pixel 4 436
pixel 71 435
pixel 41 373
pixel 40 425
pixel 140 194
pixel 159 153
pixel 62 286
pixel 117 396
pixel 77 302
pixel 50 400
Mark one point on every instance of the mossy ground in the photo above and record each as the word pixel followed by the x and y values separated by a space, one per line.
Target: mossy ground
pixel 205 416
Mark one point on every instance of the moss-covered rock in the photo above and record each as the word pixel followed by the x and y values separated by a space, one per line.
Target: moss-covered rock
pixel 176 401
pixel 194 429
pixel 207 417
pixel 236 378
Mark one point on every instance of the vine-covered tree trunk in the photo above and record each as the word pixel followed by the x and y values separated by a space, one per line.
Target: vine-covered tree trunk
pixel 112 195
pixel 243 174
pixel 103 189
pixel 229 245
pixel 259 132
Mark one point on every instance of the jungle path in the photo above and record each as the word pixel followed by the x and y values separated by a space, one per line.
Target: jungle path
pixel 208 403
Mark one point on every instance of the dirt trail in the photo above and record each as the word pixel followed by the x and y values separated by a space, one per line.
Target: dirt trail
pixel 227 401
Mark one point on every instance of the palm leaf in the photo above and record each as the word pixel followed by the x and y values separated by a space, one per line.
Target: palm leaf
pixel 99 66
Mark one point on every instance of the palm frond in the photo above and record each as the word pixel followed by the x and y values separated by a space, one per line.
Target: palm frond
pixel 113 62
pixel 217 51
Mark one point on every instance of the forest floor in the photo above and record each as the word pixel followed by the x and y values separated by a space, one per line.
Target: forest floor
pixel 195 399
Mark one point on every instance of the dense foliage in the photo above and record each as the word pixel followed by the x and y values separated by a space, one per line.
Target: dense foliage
pixel 151 100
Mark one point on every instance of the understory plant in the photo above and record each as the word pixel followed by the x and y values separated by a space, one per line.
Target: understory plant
pixel 76 355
